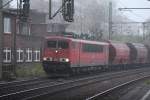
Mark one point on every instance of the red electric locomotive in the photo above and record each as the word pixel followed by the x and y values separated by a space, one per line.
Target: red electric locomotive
pixel 63 55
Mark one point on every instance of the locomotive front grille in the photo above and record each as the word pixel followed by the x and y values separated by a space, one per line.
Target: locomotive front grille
pixel 56 59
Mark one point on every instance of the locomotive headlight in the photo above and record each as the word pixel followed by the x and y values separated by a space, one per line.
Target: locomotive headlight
pixel 64 60
pixel 67 60
pixel 44 58
pixel 56 51
pixel 50 59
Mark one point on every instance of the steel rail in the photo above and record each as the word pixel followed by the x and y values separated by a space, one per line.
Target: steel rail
pixel 26 81
pixel 106 92
pixel 6 84
pixel 31 93
pixel 21 87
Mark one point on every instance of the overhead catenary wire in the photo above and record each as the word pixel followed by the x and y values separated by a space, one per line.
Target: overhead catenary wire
pixel 131 11
pixel 6 4
pixel 127 24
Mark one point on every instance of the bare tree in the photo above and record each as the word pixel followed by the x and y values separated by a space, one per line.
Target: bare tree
pixel 91 16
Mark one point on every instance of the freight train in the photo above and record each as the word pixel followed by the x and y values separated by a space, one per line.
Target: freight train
pixel 67 56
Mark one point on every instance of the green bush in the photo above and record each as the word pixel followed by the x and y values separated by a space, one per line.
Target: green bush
pixel 147 82
pixel 34 70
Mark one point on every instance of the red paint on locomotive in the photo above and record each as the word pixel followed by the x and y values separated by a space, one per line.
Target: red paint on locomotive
pixel 63 55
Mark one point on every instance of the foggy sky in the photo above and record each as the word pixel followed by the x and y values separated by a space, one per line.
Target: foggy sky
pixel 135 15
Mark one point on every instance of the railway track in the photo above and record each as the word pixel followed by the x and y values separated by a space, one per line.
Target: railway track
pixel 12 83
pixel 49 88
pixel 16 86
pixel 104 94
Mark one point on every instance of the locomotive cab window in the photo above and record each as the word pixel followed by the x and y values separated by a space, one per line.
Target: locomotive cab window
pixel 51 44
pixel 63 44
pixel 92 48
pixel 57 44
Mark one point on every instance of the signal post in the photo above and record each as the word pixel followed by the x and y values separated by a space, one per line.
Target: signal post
pixel 1 39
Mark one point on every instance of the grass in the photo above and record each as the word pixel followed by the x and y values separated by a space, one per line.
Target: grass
pixel 34 70
pixel 147 82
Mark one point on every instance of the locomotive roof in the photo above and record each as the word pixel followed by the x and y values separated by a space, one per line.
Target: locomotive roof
pixel 78 40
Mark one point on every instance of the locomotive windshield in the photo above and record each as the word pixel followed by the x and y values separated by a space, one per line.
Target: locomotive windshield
pixel 57 44
pixel 51 44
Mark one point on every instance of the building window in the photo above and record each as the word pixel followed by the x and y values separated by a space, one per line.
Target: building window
pixel 29 55
pixel 7 25
pixel 23 28
pixel 37 55
pixel 7 55
pixel 20 55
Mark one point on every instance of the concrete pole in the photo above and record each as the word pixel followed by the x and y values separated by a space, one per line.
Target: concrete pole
pixel 14 58
pixel 1 39
pixel 110 20
pixel 143 31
